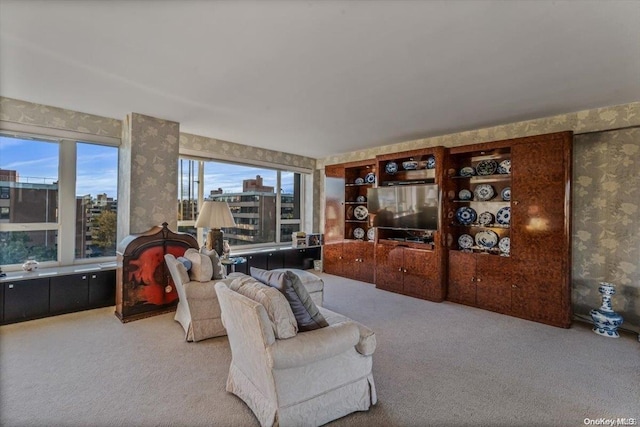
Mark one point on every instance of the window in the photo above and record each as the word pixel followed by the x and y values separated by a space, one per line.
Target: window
pixel 40 216
pixel 96 200
pixel 265 203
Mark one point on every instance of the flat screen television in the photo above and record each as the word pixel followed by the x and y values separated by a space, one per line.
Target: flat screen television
pixel 413 207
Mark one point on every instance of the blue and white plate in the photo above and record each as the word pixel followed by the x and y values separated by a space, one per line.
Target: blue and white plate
pixel 431 162
pixel 465 241
pixel 358 233
pixel 485 218
pixel 370 178
pixel 504 216
pixel 359 181
pixel 505 245
pixel 506 194
pixel 504 167
pixel 487 167
pixel 487 239
pixel 465 194
pixel 466 215
pixel 467 171
pixel 371 234
pixel 484 192
pixel 361 199
pixel 391 168
pixel 361 212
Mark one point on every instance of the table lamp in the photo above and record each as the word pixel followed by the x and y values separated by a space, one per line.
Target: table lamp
pixel 215 215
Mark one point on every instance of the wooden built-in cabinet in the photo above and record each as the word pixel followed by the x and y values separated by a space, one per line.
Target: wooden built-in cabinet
pixel 348 244
pixel 512 256
pixel 409 270
pixel 530 276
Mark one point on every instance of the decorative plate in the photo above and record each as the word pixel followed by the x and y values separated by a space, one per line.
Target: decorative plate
pixel 487 167
pixel 361 199
pixel 360 212
pixel 359 181
pixel 504 216
pixel 371 234
pixel 467 171
pixel 505 245
pixel 466 215
pixel 391 168
pixel 484 192
pixel 504 167
pixel 485 218
pixel 410 165
pixel 487 239
pixel 506 194
pixel 431 162
pixel 465 241
pixel 349 213
pixel 358 233
pixel 465 194
pixel 370 178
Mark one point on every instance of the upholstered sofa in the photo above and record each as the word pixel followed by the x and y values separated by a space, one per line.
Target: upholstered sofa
pixel 288 377
pixel 198 311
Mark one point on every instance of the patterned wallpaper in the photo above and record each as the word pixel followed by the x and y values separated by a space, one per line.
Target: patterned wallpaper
pixel 148 172
pixel 606 224
pixel 14 110
pixel 242 153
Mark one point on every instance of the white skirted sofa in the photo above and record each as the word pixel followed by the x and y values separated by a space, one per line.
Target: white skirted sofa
pixel 286 376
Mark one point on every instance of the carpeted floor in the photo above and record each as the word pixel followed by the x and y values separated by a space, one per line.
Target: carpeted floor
pixel 436 364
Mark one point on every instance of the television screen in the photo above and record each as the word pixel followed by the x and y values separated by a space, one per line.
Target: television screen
pixel 407 207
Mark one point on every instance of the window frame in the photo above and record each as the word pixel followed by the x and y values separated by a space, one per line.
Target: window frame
pixel 67 167
pixel 279 221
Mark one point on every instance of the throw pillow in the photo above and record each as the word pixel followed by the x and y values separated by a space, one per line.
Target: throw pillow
pixel 185 262
pixel 219 270
pixel 201 268
pixel 182 272
pixel 282 319
pixel 304 309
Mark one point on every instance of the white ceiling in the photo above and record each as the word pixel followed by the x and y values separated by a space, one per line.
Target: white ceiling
pixel 318 78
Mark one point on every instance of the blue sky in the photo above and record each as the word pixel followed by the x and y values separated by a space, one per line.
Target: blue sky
pixel 97 168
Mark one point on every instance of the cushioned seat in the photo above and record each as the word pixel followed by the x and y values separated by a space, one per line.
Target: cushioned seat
pixel 313 283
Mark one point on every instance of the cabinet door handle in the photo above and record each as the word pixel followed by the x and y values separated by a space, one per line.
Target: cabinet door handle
pixel 404 271
pixel 514 286
pixel 478 280
pixel 84 277
pixel 399 268
pixel 515 202
pixel 473 279
pixel 93 276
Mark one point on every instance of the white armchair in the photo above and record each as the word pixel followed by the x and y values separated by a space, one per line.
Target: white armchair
pixel 307 380
pixel 198 310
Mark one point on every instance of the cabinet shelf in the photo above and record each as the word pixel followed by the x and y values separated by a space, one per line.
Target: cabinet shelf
pixel 480 250
pixel 481 201
pixel 501 226
pixel 483 178
pixel 355 203
pixel 366 184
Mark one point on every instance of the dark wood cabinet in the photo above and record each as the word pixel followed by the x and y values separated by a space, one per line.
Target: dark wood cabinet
pixel 538 230
pixel 301 258
pixel 68 293
pixel 332 260
pixel 480 280
pixel 26 299
pixel 358 260
pixel 102 288
pixel 411 271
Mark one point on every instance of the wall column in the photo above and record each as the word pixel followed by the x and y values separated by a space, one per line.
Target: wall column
pixel 148 174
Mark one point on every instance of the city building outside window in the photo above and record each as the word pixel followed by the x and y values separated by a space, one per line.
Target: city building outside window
pixel 39 180
pixel 265 203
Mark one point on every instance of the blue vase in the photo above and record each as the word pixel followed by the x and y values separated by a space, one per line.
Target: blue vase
pixel 605 320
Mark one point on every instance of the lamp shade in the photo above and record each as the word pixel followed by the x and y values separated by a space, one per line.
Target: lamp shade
pixel 215 215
